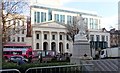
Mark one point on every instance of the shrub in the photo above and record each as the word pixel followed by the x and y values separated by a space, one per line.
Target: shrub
pixel 24 67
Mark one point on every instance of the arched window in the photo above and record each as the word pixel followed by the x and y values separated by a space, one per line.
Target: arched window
pixel 67 46
pixel 37 45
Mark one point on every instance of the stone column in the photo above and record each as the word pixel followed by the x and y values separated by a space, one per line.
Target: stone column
pixel 49 40
pixel 42 37
pixel 64 43
pixel 57 49
pixel 33 43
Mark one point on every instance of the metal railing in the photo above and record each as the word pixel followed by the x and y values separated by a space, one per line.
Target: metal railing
pixel 59 69
pixel 10 71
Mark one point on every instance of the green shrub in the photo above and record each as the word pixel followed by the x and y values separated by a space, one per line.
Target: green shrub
pixel 23 68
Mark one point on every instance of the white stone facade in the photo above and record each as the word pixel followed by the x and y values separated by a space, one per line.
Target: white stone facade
pixel 103 36
pixel 17 31
pixel 51 36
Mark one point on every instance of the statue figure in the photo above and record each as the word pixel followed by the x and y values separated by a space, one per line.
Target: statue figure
pixel 82 28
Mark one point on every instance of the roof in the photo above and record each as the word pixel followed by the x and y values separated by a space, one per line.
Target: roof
pixel 63 9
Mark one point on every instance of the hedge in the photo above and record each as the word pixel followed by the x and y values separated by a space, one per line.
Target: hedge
pixel 24 67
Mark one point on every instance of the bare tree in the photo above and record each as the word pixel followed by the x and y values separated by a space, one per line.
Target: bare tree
pixel 11 11
pixel 72 28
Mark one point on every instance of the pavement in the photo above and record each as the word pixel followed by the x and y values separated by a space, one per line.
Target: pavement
pixel 102 66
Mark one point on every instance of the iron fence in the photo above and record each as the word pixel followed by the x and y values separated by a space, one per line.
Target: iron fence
pixel 10 71
pixel 60 69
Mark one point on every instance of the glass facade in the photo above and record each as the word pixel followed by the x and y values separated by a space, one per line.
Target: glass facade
pixel 49 14
pixel 93 23
pixel 69 19
pixel 57 17
pixel 62 18
pixel 38 17
pixel 43 16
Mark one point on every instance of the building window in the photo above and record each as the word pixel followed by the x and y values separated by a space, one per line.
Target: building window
pixel 86 20
pixel 60 37
pixel 67 36
pixel 45 36
pixel 62 18
pixel 43 16
pixel 103 38
pixel 96 23
pixel 91 23
pixel 22 39
pixel 49 14
pixel 92 37
pixel 57 17
pixel 18 39
pixel 23 31
pixel 9 39
pixel 35 14
pixel 53 37
pixel 38 17
pixel 37 45
pixel 37 36
pixel 13 39
pixel 97 38
pixel 106 38
pixel 67 46
pixel 69 19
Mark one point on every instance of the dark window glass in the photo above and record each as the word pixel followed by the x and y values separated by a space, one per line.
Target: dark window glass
pixel 18 39
pixel 67 36
pixel 35 14
pixel 60 37
pixel 37 36
pixel 37 46
pixel 45 36
pixel 53 37
pixel 67 46
pixel 92 37
pixel 97 38
pixel 22 39
pixel 103 38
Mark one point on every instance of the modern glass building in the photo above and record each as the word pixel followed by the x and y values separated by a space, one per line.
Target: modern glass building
pixel 42 13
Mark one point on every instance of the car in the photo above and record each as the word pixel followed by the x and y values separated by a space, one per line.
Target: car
pixel 15 59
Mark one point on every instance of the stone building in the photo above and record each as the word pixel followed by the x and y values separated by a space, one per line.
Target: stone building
pixel 51 36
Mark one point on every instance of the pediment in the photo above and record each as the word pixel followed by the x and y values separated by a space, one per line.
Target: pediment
pixel 52 25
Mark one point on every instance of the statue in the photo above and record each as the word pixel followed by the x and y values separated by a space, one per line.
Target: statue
pixel 82 29
pixel 81 46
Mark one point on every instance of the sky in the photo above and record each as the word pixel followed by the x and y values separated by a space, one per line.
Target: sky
pixel 107 9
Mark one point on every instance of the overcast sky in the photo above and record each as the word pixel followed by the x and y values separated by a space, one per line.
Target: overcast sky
pixel 107 9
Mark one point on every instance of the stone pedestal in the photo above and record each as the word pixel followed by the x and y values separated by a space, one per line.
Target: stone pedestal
pixel 81 49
